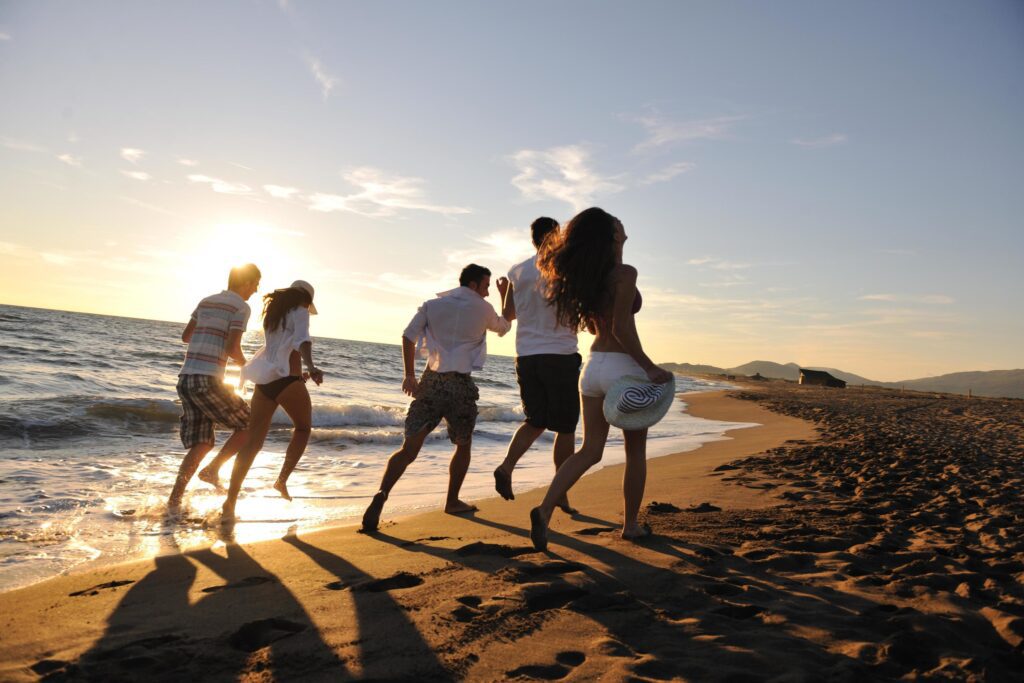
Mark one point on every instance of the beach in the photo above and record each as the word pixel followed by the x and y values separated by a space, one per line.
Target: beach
pixel 854 535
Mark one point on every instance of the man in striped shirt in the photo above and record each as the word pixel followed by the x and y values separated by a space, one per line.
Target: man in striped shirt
pixel 213 335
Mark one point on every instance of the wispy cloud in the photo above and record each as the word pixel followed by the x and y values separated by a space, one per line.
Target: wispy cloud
pixel 561 173
pixel 188 162
pixel 150 207
pixel 70 159
pixel 668 173
pixel 280 192
pixel 933 299
pixel 21 145
pixel 825 141
pixel 662 132
pixel 380 194
pixel 221 186
pixel 326 81
pixel 499 249
pixel 137 175
pixel 132 154
pixel 716 263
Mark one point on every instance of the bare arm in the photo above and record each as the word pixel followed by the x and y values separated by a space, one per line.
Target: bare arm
pixel 409 383
pixel 234 346
pixel 186 335
pixel 508 306
pixel 624 323
pixel 306 351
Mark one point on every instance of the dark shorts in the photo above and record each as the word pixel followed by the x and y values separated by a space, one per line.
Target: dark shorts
pixel 205 402
pixel 273 389
pixel 448 395
pixel 549 387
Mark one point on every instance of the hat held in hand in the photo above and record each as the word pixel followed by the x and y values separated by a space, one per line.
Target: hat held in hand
pixel 634 402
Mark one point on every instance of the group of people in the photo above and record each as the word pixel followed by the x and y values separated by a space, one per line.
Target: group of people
pixel 575 281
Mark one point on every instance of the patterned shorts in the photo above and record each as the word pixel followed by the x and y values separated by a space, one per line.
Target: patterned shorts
pixel 206 401
pixel 448 395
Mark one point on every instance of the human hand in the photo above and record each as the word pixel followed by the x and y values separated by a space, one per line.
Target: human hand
pixel 658 375
pixel 502 284
pixel 410 386
pixel 315 374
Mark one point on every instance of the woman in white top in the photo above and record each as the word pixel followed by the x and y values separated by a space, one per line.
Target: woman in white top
pixel 276 370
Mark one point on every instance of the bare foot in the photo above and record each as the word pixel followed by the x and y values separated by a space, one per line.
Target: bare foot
pixel 227 514
pixel 371 518
pixel 564 506
pixel 282 488
pixel 211 477
pixel 539 529
pixel 503 484
pixel 636 532
pixel 458 508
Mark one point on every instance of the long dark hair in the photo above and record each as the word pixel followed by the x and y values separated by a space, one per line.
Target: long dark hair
pixel 576 264
pixel 277 304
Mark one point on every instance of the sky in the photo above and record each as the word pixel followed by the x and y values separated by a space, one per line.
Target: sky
pixel 831 184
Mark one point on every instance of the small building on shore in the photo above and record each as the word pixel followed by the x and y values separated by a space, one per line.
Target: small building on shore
pixel 820 378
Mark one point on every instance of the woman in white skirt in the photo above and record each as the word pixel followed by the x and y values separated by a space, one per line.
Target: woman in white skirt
pixel 276 370
pixel 591 288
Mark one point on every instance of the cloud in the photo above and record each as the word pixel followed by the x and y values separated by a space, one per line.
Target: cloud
pixel 497 250
pixel 878 297
pixel 151 207
pixel 380 194
pixel 280 192
pixel 137 175
pixel 70 160
pixel 21 145
pixel 326 80
pixel 560 173
pixel 221 186
pixel 662 132
pixel 668 173
pixel 933 299
pixel 4 35
pixel 826 141
pixel 188 162
pixel 716 263
pixel 132 154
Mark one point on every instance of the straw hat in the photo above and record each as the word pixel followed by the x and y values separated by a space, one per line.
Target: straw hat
pixel 634 402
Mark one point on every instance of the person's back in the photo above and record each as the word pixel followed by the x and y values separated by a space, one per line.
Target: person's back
pixel 537 328
pixel 216 317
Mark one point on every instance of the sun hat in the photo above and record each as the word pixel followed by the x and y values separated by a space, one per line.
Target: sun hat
pixel 308 289
pixel 635 402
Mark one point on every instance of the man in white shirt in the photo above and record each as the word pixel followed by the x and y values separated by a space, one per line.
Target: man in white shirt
pixel 451 332
pixel 547 366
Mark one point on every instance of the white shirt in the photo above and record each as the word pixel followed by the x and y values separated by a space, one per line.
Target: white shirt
pixel 537 328
pixel 451 330
pixel 271 361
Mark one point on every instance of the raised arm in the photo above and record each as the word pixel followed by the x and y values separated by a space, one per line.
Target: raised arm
pixel 624 323
pixel 508 306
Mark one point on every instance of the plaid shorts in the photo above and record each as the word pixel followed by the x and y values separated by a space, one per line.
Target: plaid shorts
pixel 448 395
pixel 205 400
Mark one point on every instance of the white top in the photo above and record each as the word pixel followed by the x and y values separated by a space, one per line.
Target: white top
pixel 537 328
pixel 451 330
pixel 271 361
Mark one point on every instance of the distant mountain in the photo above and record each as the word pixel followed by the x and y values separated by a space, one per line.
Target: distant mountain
pixel 994 383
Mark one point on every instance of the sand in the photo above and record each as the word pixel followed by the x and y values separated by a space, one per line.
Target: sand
pixel 847 538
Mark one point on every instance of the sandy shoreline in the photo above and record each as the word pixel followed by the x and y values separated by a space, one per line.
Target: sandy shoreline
pixel 176 600
pixel 862 535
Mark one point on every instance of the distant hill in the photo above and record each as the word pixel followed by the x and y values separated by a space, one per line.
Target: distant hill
pixel 995 383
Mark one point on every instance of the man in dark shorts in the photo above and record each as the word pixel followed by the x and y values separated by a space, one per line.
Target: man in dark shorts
pixel 451 332
pixel 547 366
pixel 213 334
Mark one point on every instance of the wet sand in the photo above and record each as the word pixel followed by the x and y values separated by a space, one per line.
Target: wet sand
pixel 855 535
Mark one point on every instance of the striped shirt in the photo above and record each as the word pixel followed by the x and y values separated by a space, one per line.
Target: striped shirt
pixel 216 317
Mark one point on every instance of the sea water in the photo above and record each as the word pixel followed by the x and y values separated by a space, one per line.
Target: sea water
pixel 89 445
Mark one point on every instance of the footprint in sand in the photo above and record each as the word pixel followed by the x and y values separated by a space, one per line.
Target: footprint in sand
pixel 594 530
pixel 525 572
pixel 565 662
pixel 96 589
pixel 492 549
pixel 398 581
pixel 258 634
pixel 468 609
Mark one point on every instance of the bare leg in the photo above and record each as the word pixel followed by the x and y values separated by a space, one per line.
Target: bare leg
pixel 595 434
pixel 211 473
pixel 187 468
pixel 456 475
pixel 521 442
pixel 295 401
pixel 565 443
pixel 262 411
pixel 633 481
pixel 397 463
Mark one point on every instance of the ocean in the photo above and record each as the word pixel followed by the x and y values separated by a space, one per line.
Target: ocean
pixel 89 444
